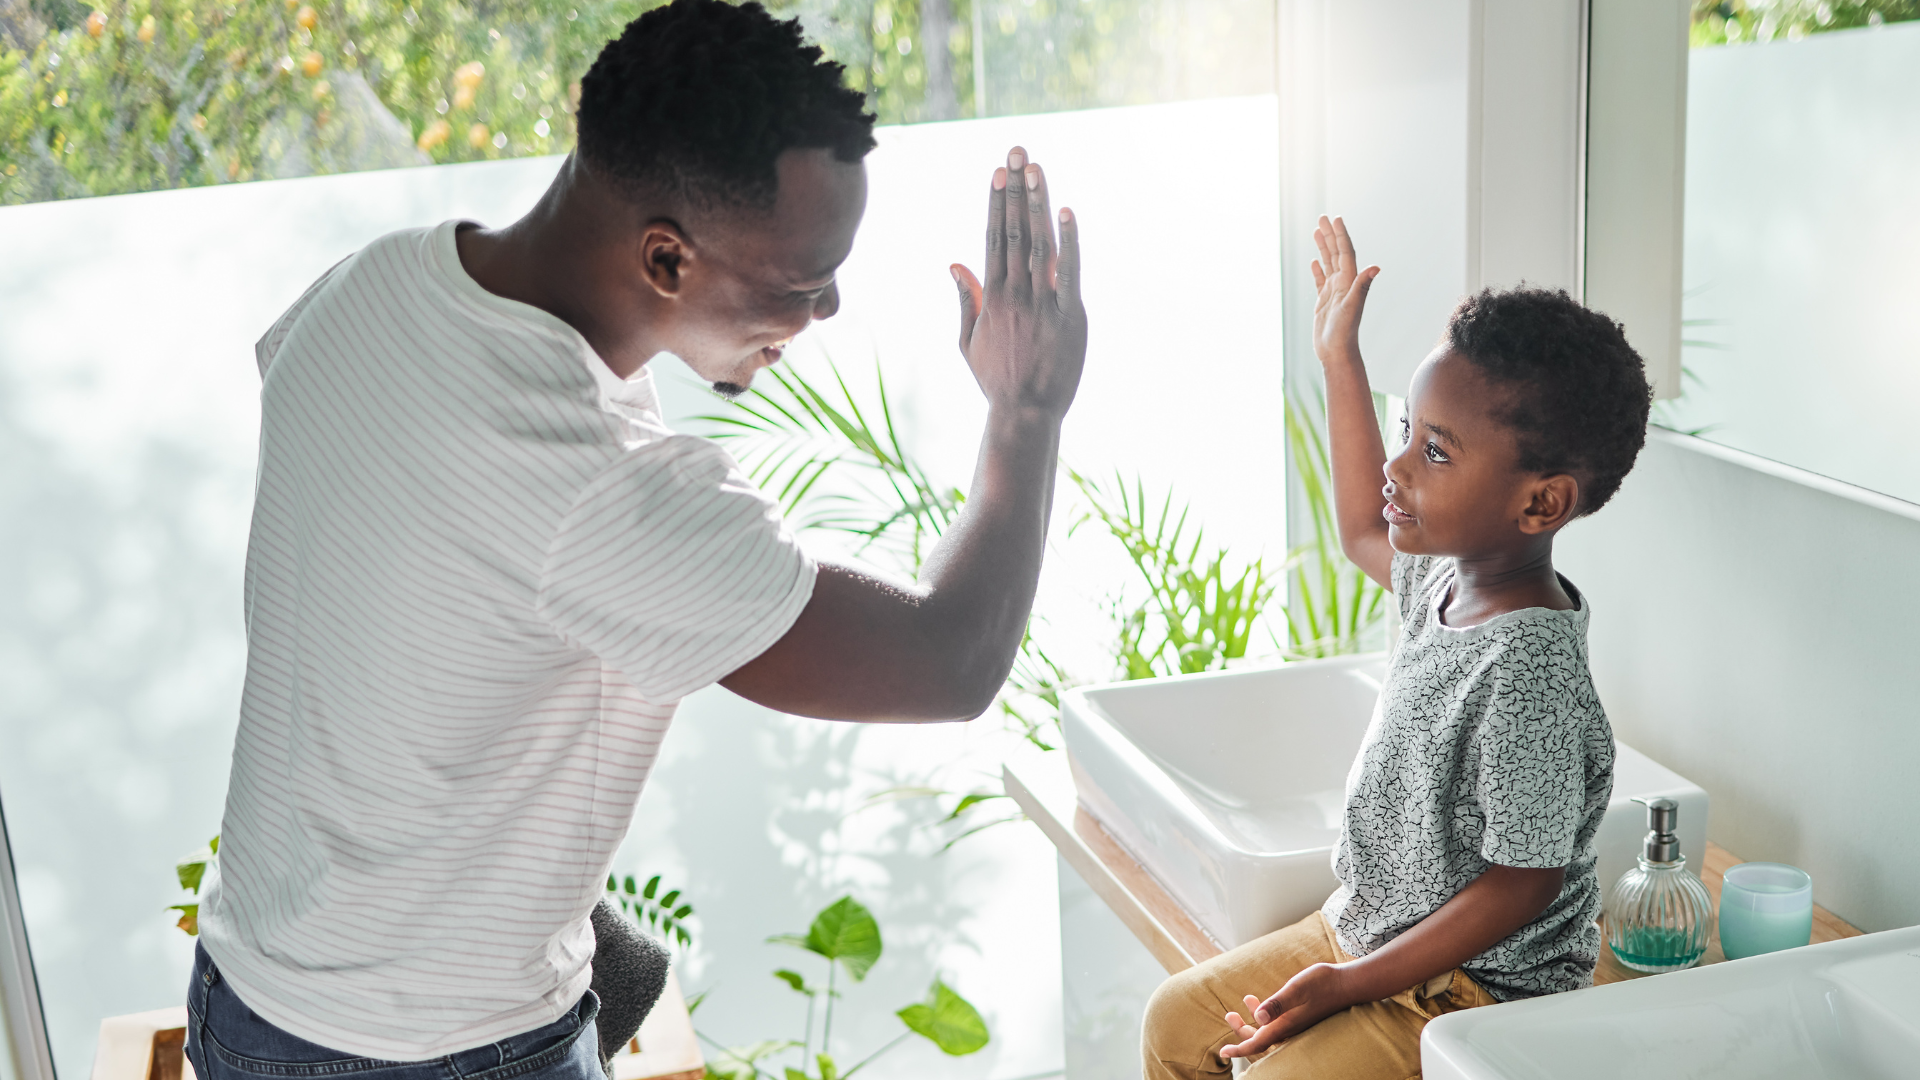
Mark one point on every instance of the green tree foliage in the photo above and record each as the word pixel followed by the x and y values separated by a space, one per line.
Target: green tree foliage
pixel 1725 22
pixel 135 95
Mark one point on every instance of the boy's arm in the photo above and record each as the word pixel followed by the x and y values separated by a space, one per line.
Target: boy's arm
pixel 1491 907
pixel 1352 429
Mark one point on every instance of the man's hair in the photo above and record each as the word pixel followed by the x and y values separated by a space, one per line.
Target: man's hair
pixel 699 98
pixel 1578 395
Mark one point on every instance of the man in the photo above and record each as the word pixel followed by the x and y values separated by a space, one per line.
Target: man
pixel 482 571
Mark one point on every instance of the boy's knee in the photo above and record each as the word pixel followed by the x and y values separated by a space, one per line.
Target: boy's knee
pixel 1176 1021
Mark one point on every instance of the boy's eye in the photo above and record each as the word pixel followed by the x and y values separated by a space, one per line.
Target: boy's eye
pixel 1435 454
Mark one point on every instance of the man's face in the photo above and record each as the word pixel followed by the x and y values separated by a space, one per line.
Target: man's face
pixel 1455 486
pixel 757 278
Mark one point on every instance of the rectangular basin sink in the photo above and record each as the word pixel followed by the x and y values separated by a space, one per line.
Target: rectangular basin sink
pixel 1228 786
pixel 1841 1010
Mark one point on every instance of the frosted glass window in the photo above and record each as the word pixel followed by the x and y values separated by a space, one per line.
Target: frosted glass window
pixel 1802 331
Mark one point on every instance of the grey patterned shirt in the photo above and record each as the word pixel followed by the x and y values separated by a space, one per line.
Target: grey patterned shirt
pixel 1488 746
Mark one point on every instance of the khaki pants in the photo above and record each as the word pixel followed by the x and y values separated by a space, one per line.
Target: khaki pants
pixel 1186 1027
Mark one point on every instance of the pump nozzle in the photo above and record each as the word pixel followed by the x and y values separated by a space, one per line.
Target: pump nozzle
pixel 1662 846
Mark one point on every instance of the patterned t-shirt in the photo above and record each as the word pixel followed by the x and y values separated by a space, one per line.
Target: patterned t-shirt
pixel 1488 747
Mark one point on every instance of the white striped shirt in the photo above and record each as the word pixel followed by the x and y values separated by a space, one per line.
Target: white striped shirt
pixel 482 572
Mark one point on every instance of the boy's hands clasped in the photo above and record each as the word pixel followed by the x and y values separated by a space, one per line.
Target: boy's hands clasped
pixel 1024 333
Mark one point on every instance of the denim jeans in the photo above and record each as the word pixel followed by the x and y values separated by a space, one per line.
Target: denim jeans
pixel 227 1041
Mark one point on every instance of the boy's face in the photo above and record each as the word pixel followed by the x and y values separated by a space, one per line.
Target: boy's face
pixel 1455 486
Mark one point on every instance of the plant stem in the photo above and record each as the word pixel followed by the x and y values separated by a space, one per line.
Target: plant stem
pixel 848 1075
pixel 826 1032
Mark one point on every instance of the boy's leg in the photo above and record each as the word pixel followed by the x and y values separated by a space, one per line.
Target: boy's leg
pixel 1186 1024
pixel 1376 1041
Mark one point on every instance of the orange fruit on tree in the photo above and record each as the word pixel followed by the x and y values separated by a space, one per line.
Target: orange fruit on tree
pixel 477 136
pixel 310 64
pixel 307 18
pixel 145 33
pixel 96 24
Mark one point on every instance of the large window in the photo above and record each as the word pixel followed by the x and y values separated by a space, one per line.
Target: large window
pixel 1802 147
pixel 128 420
pixel 136 95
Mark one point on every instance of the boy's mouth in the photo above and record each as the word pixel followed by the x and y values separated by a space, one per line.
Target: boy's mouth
pixel 1395 515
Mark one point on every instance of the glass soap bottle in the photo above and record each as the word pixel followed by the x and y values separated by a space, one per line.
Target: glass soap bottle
pixel 1658 915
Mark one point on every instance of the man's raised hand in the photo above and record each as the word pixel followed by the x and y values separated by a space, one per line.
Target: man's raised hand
pixel 1024 333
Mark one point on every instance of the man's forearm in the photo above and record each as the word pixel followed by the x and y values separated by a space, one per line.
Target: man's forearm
pixel 980 579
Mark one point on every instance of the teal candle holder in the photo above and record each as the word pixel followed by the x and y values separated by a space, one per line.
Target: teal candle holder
pixel 1765 907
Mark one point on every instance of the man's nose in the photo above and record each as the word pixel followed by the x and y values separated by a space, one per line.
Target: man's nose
pixel 828 303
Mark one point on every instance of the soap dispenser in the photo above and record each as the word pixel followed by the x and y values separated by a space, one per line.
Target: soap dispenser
pixel 1658 915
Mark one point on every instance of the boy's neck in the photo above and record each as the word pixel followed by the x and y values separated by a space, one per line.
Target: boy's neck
pixel 1488 586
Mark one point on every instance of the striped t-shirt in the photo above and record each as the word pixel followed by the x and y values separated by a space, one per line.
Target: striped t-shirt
pixel 482 572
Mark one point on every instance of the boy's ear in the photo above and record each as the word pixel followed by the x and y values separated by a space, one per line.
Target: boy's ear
pixel 1553 502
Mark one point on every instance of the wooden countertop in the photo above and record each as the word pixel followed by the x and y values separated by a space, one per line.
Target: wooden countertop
pixel 1044 790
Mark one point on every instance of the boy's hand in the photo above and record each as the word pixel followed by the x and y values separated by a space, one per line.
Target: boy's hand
pixel 1342 290
pixel 1308 998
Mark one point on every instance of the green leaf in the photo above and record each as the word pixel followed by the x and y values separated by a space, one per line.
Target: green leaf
pixel 797 1074
pixel 189 918
pixel 948 1020
pixel 694 1001
pixel 828 1070
pixel 683 911
pixel 798 941
pixel 190 871
pixel 612 885
pixel 213 845
pixel 631 889
pixel 667 900
pixel 653 883
pixel 846 931
pixel 795 980
pixel 969 802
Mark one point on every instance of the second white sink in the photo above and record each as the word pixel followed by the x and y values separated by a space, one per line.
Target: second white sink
pixel 1228 786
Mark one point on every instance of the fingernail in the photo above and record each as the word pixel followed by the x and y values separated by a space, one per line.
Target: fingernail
pixel 1066 216
pixel 999 179
pixel 1016 159
pixel 1033 176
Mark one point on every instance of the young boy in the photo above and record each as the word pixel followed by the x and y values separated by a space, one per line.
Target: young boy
pixel 1466 859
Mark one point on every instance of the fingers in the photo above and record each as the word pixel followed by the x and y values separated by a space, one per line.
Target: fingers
pixel 1343 244
pixel 1323 239
pixel 1319 276
pixel 1039 228
pixel 1066 268
pixel 997 231
pixel 969 303
pixel 1019 245
pixel 1254 1042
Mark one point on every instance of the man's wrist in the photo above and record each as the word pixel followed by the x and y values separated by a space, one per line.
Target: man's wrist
pixel 1023 421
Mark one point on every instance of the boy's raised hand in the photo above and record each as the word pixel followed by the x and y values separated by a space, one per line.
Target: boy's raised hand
pixel 1342 291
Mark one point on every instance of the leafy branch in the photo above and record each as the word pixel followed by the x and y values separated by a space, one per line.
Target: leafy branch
pixel 665 913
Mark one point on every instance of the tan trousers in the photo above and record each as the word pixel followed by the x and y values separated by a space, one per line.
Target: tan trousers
pixel 1186 1027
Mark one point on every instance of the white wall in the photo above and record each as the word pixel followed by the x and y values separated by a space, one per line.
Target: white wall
pixel 1753 631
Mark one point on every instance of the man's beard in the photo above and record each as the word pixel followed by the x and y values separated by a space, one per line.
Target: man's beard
pixel 729 390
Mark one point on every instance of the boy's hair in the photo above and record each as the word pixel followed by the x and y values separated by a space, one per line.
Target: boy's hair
pixel 700 97
pixel 1579 394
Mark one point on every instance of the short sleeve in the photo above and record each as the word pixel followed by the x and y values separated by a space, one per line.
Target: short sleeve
pixel 1410 575
pixel 1532 781
pixel 674 568
pixel 269 344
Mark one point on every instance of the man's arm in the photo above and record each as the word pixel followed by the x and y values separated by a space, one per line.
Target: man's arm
pixel 1352 430
pixel 863 649
pixel 1491 907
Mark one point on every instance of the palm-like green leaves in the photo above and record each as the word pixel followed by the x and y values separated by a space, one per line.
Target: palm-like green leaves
pixel 791 437
pixel 665 912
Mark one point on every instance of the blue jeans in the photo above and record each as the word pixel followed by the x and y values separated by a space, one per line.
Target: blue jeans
pixel 227 1041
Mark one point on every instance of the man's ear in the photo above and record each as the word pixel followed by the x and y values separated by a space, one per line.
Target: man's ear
pixel 1552 503
pixel 665 256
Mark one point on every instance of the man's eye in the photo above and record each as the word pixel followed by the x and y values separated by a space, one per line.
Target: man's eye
pixel 1434 453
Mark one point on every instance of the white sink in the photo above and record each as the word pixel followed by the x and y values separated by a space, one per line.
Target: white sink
pixel 1227 786
pixel 1842 1010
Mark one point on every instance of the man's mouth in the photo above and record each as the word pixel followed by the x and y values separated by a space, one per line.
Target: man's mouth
pixel 771 354
pixel 1395 515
